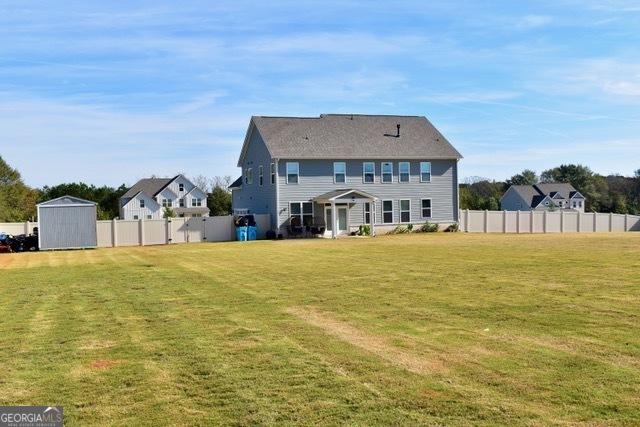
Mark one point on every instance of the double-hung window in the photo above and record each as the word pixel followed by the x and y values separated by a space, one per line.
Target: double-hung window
pixel 403 171
pixel 142 203
pixel 181 202
pixel 293 172
pixel 167 203
pixel 425 171
pixel 387 211
pixel 181 187
pixel 260 176
pixel 426 208
pixel 367 213
pixel 303 211
pixel 405 210
pixel 273 173
pixel 368 172
pixel 339 172
pixel 387 172
pixel 196 202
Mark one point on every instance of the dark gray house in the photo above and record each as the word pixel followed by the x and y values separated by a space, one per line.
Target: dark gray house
pixel 368 169
pixel 549 196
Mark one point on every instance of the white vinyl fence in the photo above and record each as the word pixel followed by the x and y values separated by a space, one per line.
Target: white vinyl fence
pixel 159 231
pixel 546 222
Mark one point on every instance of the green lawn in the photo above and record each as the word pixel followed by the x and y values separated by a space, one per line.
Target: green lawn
pixel 410 329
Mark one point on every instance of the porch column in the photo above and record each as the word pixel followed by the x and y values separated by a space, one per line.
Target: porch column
pixel 372 215
pixel 334 220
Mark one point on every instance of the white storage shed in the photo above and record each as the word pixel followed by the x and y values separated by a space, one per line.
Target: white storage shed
pixel 67 223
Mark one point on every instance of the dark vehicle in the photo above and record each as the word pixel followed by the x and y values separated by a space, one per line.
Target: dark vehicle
pixel 19 243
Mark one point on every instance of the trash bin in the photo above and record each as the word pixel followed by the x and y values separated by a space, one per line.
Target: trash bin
pixel 252 233
pixel 241 233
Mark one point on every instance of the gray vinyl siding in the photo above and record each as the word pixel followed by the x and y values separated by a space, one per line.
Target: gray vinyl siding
pixel 67 227
pixel 511 201
pixel 258 199
pixel 316 177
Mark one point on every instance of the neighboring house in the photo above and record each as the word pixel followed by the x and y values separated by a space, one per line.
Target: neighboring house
pixel 551 196
pixel 370 169
pixel 149 196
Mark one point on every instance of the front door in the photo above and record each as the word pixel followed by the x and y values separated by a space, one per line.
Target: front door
pixel 343 219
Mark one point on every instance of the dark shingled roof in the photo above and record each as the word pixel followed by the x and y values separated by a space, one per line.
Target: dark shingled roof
pixel 346 136
pixel 149 186
pixel 237 183
pixel 534 194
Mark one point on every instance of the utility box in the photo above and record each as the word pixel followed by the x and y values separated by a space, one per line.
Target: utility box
pixel 67 223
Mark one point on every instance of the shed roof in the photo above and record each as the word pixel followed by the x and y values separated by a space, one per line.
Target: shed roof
pixel 66 201
pixel 352 136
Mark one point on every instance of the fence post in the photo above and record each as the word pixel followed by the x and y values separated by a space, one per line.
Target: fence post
pixel 610 222
pixel 544 221
pixel 562 221
pixel 168 230
pixel 626 222
pixel 531 222
pixel 486 221
pixel 466 220
pixel 26 227
pixel 204 229
pixel 579 221
pixel 518 222
pixel 141 231
pixel 504 221
pixel 114 233
pixel 595 222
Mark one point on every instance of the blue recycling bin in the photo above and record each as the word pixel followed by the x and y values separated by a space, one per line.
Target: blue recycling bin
pixel 252 233
pixel 241 233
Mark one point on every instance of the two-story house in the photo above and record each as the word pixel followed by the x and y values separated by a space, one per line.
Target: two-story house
pixel 344 170
pixel 147 198
pixel 547 196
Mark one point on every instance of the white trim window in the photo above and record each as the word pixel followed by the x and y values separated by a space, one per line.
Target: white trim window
pixel 167 203
pixel 149 216
pixel 386 174
pixel 404 173
pixel 135 217
pixel 273 173
pixel 181 187
pixel 260 176
pixel 425 171
pixel 293 172
pixel 367 213
pixel 368 172
pixel 302 210
pixel 196 202
pixel 387 211
pixel 250 176
pixel 405 210
pixel 425 204
pixel 181 202
pixel 142 203
pixel 339 172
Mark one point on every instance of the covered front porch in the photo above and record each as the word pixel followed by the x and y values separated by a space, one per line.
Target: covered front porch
pixel 336 206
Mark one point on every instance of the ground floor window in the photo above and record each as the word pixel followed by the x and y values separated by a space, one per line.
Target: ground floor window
pixel 387 211
pixel 426 208
pixel 303 211
pixel 148 216
pixel 405 210
pixel 367 213
pixel 135 217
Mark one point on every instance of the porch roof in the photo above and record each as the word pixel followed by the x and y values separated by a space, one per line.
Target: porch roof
pixel 347 194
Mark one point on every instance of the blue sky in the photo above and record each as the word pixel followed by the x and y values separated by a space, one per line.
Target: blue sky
pixel 109 92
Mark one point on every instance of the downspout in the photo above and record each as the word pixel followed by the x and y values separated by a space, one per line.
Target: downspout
pixel 457 192
pixel 277 219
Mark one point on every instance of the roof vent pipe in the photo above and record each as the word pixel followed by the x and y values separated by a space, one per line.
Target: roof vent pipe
pixel 398 134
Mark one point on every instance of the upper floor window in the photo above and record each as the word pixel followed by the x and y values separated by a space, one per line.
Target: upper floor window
pixel 425 171
pixel 387 172
pixel 250 176
pixel 339 172
pixel 148 216
pixel 167 203
pixel 273 173
pixel 293 171
pixel 368 172
pixel 196 202
pixel 181 187
pixel 142 203
pixel 403 171
pixel 260 176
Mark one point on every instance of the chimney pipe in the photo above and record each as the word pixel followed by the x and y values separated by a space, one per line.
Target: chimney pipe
pixel 398 126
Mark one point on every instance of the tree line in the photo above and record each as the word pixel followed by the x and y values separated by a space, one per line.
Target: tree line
pixel 612 193
pixel 18 201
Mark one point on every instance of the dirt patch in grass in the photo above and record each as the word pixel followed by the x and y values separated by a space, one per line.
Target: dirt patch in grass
pixel 371 343
pixel 103 364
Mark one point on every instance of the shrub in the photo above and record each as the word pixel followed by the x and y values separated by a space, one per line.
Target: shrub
pixel 429 227
pixel 410 227
pixel 453 228
pixel 364 230
pixel 399 230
